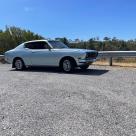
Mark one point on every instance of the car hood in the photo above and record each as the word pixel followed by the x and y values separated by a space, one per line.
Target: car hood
pixel 74 50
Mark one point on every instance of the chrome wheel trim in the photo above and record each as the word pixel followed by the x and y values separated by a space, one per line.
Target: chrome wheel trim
pixel 18 64
pixel 67 65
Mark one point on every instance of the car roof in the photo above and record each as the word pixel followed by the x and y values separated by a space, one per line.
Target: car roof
pixel 36 41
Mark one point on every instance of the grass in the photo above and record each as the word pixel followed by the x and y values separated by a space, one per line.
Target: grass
pixel 129 62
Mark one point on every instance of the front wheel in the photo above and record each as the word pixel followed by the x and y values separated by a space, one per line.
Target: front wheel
pixel 84 67
pixel 19 64
pixel 67 65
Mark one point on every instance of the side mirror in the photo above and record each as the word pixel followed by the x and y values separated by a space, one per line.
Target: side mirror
pixel 49 49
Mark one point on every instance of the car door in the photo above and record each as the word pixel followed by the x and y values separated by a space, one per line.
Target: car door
pixel 39 53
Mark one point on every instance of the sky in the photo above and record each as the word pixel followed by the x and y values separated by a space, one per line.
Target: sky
pixel 73 19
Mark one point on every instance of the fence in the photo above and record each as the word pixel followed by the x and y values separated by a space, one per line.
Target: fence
pixel 110 55
pixel 116 54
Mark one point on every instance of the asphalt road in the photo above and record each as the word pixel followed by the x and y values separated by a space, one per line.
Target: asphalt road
pixel 46 102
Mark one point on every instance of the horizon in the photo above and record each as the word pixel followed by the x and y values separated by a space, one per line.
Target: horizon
pixel 72 19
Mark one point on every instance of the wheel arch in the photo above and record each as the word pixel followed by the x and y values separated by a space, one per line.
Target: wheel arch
pixel 13 62
pixel 67 57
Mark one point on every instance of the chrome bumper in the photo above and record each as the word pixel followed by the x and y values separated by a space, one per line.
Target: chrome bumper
pixel 86 60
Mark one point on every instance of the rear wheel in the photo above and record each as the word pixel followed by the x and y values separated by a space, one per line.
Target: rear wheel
pixel 19 64
pixel 84 67
pixel 67 65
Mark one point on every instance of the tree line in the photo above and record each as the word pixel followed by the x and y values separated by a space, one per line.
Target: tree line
pixel 107 44
pixel 13 36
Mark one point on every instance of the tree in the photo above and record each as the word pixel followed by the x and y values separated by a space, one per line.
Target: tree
pixel 13 36
pixel 106 39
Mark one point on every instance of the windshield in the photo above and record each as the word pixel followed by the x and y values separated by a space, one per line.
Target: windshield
pixel 58 44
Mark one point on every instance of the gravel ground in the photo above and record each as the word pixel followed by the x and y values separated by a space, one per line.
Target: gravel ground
pixel 100 101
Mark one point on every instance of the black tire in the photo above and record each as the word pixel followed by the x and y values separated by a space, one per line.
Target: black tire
pixel 67 65
pixel 84 67
pixel 19 64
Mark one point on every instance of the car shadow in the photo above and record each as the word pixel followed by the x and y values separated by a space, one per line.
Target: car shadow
pixel 92 72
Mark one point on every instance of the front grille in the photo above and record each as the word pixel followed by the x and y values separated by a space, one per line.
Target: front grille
pixel 91 55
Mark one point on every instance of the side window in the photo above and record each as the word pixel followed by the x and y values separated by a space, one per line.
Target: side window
pixel 46 46
pixel 28 45
pixel 37 45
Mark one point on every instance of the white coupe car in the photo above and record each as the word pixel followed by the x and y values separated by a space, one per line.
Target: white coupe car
pixel 49 53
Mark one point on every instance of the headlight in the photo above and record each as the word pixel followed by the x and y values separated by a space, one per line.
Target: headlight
pixel 90 55
pixel 83 56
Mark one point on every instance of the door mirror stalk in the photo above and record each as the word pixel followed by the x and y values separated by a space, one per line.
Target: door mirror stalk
pixel 49 49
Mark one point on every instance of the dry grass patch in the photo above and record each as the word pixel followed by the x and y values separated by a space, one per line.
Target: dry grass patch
pixel 129 62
